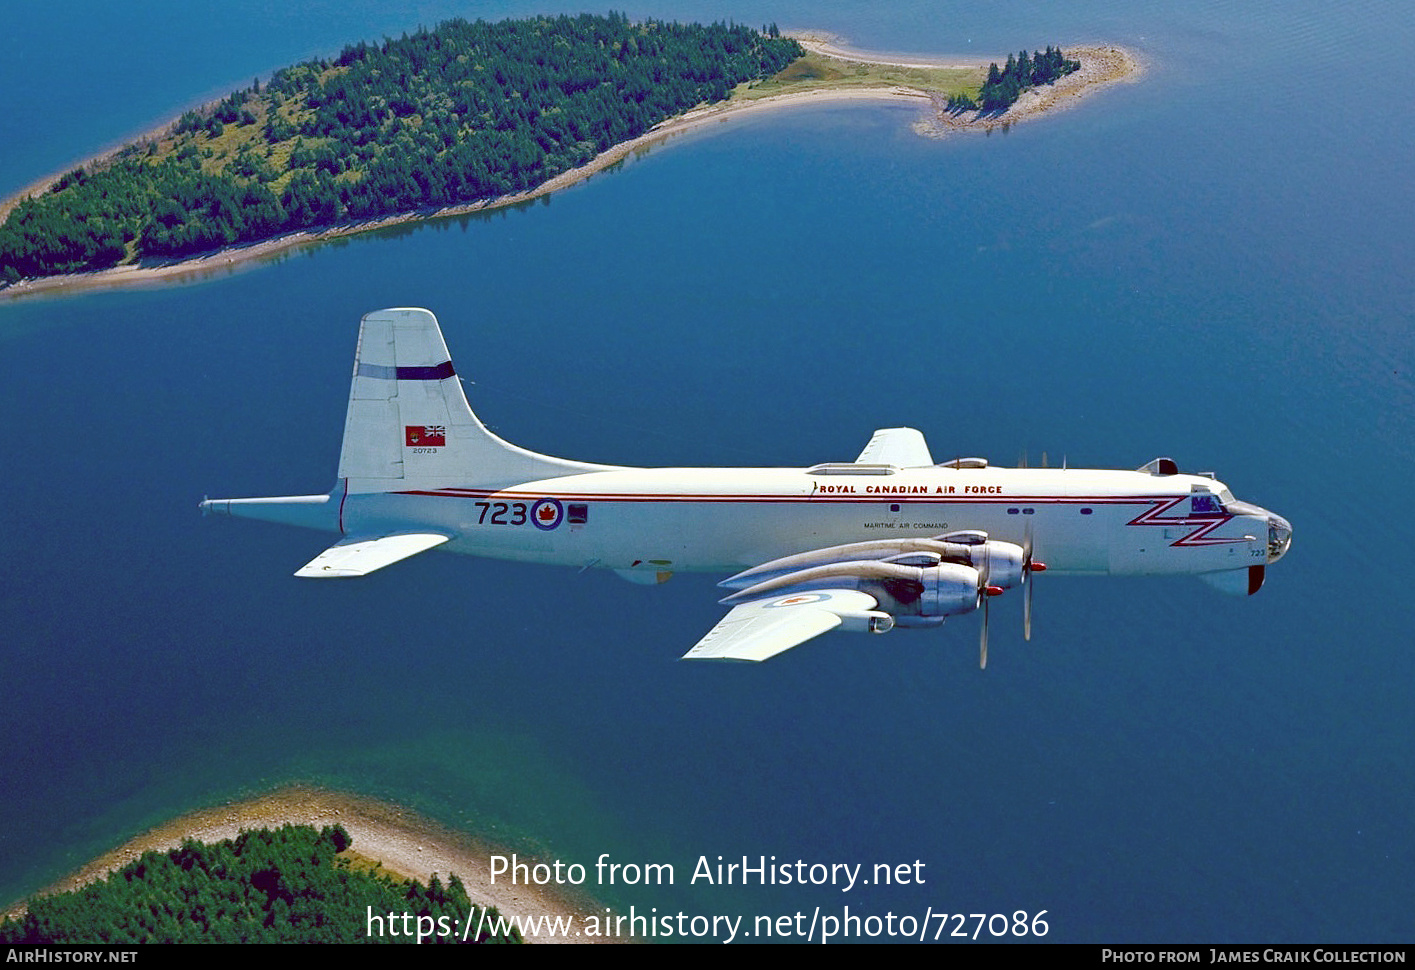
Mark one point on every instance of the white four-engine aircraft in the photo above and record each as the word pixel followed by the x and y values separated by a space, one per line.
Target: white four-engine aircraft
pixel 889 539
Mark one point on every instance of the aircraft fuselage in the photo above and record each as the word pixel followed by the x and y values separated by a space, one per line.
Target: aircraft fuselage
pixel 725 519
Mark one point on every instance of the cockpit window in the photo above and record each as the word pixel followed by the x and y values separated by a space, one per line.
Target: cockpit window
pixel 1205 503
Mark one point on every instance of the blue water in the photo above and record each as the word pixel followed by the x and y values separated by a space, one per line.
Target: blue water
pixel 1213 264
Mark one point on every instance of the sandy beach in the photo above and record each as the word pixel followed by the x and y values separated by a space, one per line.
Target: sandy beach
pixel 829 45
pixel 1101 67
pixel 406 843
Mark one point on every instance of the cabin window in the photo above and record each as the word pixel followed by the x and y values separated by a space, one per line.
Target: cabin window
pixel 577 512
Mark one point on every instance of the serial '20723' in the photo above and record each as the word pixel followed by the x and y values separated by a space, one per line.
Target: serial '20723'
pixel 889 539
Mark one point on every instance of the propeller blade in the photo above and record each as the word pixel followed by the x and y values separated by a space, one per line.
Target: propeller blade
pixel 1027 582
pixel 984 594
pixel 1029 566
pixel 983 647
pixel 1027 613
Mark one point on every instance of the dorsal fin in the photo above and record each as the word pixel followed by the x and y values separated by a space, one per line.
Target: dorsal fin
pixel 902 447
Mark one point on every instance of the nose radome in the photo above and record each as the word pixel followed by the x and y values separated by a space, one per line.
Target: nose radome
pixel 1279 537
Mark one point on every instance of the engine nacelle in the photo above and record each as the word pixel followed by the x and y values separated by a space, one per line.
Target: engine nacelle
pixel 949 589
pixel 1004 561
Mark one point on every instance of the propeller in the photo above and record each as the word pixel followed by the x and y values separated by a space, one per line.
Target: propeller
pixel 983 598
pixel 986 592
pixel 1029 566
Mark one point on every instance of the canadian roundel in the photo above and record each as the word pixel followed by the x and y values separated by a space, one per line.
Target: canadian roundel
pixel 799 599
pixel 547 513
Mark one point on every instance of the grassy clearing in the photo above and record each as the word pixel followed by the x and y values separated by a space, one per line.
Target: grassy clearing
pixel 217 152
pixel 819 71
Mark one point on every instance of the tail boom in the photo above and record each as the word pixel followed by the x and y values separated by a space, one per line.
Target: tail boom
pixel 310 511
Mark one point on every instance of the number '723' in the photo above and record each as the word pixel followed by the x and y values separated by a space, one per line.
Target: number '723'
pixel 499 511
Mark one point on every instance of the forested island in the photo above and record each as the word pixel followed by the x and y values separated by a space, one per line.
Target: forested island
pixel 462 117
pixel 462 113
pixel 293 884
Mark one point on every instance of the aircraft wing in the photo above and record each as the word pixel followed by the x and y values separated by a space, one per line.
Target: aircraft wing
pixel 901 447
pixel 761 629
pixel 359 557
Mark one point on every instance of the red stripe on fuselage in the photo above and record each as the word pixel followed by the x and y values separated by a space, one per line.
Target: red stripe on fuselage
pixel 1199 537
pixel 808 498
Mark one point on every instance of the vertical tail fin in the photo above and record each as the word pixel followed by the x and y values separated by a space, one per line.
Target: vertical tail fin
pixel 409 424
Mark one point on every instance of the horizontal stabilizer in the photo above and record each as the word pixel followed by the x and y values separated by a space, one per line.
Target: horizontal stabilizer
pixel 761 630
pixel 359 557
